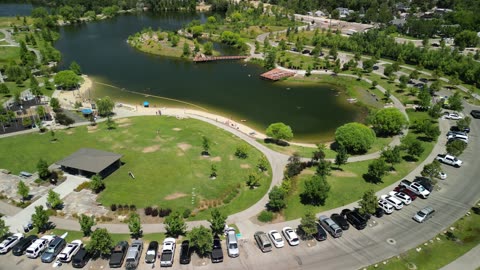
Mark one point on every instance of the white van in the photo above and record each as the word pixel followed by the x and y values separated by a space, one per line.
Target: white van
pixel 232 243
pixel 38 246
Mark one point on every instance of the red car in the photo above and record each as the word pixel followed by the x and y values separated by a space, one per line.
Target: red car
pixel 412 195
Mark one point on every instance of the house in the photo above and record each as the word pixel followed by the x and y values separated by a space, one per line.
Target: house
pixel 344 12
pixel 319 13
pixel 399 23
pixel 88 162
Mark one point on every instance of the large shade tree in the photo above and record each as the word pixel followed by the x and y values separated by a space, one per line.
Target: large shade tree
pixel 355 137
pixel 67 79
pixel 279 131
pixel 389 121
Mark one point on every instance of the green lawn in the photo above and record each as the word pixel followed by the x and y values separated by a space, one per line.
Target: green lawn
pixel 2 35
pixel 441 252
pixel 167 166
pixel 7 54
pixel 348 185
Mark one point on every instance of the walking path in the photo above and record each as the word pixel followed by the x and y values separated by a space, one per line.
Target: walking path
pixel 12 43
pixel 469 261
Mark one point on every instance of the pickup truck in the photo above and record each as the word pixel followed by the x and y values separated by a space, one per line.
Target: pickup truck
pixel 133 255
pixel 217 253
pixel 450 160
pixel 415 188
pixel 168 252
pixel 118 254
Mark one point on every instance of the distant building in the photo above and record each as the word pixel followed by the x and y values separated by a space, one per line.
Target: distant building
pixel 399 23
pixel 88 162
pixel 344 12
pixel 319 13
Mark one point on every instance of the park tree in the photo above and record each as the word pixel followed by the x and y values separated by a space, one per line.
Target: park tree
pixel 100 243
pixel 388 70
pixel 53 199
pixel 217 221
pixel 315 191
pixel 403 81
pixel 368 203
pixel 253 180
pixel 134 225
pixel 456 147
pixel 276 198
pixel 40 218
pixel 270 58
pixel 342 156
pixel 42 168
pixel 435 111
pixel 431 170
pixel 201 240
pixel 466 38
pixel 263 164
pixel 414 148
pixel 208 48
pixel 4 89
pixel 319 153
pixel 368 65
pixel 67 79
pixel 205 146
pixel 75 67
pixel 186 50
pixel 242 151
pixel 175 225
pixel 294 165
pixel 86 224
pixel 436 86
pixel 64 119
pixel 34 86
pixel 324 167
pixel 96 183
pixel 424 98
pixel 388 121
pixel 279 131
pixel 455 102
pixel 414 75
pixel 4 229
pixel 105 106
pixel 308 224
pixel 23 190
pixel 392 155
pixel 355 137
pixel 376 170
pixel 55 104
pixel 464 123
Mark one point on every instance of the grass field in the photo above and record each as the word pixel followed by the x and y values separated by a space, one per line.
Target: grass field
pixel 167 166
pixel 7 54
pixel 348 185
pixel 443 250
pixel 6 22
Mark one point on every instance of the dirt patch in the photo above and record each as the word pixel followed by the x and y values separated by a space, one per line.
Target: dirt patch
pixel 123 120
pixel 125 125
pixel 216 159
pixel 180 153
pixel 231 157
pixel 158 139
pixel 92 129
pixel 174 196
pixel 307 172
pixel 245 166
pixel 70 132
pixel 184 146
pixel 343 173
pixel 151 149
pixel 176 129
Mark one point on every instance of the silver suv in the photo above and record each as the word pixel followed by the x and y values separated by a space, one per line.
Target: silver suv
pixel 232 243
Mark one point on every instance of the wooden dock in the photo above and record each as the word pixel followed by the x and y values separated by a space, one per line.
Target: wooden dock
pixel 277 74
pixel 202 58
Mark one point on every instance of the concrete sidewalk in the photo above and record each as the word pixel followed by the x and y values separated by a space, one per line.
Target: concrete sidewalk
pixel 469 261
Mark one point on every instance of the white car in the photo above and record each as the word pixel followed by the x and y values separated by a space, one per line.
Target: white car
pixel 404 198
pixel 387 208
pixel 453 116
pixel 393 201
pixel 291 236
pixel 69 251
pixel 11 241
pixel 442 175
pixel 277 239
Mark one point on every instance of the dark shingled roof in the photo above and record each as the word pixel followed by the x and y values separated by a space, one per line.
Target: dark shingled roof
pixel 90 160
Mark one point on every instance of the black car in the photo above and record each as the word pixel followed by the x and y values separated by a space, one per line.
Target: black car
pixel 321 234
pixel 81 258
pixel 425 182
pixel 379 212
pixel 341 221
pixel 185 252
pixel 306 51
pixel 152 251
pixel 23 244
pixel 475 114
pixel 357 220
pixel 345 212
pixel 217 253
pixel 457 129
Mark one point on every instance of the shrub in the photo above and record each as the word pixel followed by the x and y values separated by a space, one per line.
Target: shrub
pixel 113 207
pixel 120 207
pixel 265 216
pixel 82 186
pixel 242 151
pixel 154 212
pixel 126 207
pixel 164 212
pixel 133 207
pixel 148 210
pixel 187 213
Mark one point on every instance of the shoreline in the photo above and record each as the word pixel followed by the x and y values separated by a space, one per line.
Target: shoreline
pixel 83 95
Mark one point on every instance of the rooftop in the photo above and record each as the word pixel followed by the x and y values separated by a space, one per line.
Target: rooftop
pixel 90 160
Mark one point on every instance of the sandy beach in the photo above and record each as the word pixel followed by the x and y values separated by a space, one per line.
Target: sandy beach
pixel 68 98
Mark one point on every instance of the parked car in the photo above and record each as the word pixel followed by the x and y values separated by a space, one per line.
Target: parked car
pixel 168 252
pixel 217 252
pixel 329 225
pixel 185 253
pixel 358 221
pixel 442 175
pixel 450 160
pixel 416 188
pixel 379 212
pixel 393 201
pixel 424 214
pixel 475 114
pixel 38 246
pixel 291 236
pixel 232 243
pixel 425 182
pixel 387 208
pixel 341 221
pixel 81 258
pixel 54 248
pixel 277 239
pixel 152 251
pixel 23 244
pixel 457 129
pixel 459 137
pixel 262 241
pixel 10 242
pixel 321 234
pixel 118 254
pixel 69 251
pixel 453 116
pixel 403 189
pixel 133 255
pixel 404 198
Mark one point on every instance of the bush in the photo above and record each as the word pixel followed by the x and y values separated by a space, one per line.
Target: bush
pixel 82 186
pixel 187 213
pixel 355 137
pixel 154 212
pixel 265 216
pixel 242 151
pixel 113 207
pixel 133 207
pixel 148 210
pixel 164 212
pixel 120 207
pixel 389 121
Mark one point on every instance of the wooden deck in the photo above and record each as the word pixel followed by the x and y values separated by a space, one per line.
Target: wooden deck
pixel 197 59
pixel 277 74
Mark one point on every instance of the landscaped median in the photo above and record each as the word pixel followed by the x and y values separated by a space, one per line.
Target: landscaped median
pixel 446 247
